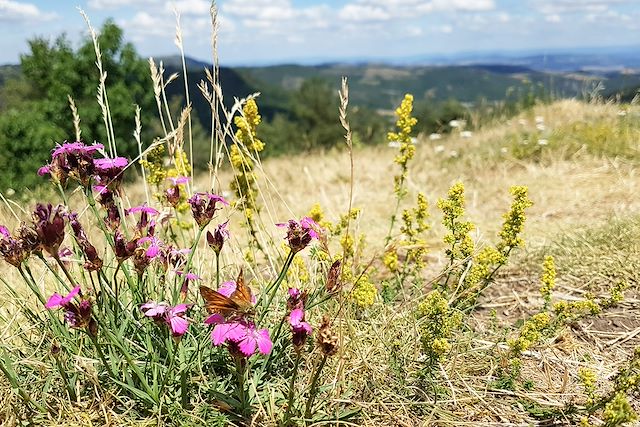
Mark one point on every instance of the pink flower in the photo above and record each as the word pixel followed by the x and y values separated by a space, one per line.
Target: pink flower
pixel 178 180
pixel 300 234
pixel 76 315
pixel 155 310
pixel 173 317
pixel 107 165
pixel 219 236
pixel 76 148
pixel 153 250
pixel 242 336
pixel 44 170
pixel 188 276
pixel 143 209
pixel 177 323
pixel 57 300
pixel 299 328
pixel 203 207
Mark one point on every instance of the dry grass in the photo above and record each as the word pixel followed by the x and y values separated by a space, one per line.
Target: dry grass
pixel 586 214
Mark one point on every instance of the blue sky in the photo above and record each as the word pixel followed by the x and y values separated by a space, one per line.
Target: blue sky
pixel 271 31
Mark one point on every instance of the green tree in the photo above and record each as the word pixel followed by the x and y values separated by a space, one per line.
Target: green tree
pixel 54 70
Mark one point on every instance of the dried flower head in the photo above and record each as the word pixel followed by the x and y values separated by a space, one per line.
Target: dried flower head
pixel 333 283
pixel 326 339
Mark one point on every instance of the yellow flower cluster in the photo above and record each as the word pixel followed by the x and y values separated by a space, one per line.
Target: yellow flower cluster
pixel 514 220
pixel 404 124
pixel 548 280
pixel 298 270
pixel 530 333
pixel 438 321
pixel 588 379
pixel 154 164
pixel 414 224
pixel 317 214
pixel 459 238
pixel 247 124
pixel 244 182
pixel 618 411
pixel 364 292
pixel 390 260
pixel 568 311
pixel 483 266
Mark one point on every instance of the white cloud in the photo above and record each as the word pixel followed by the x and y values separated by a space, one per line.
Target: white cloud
pixel 277 16
pixel 115 4
pixel 555 18
pixel 13 11
pixel 551 7
pixel 189 7
pixel 504 17
pixel 364 12
pixel 144 25
pixel 384 10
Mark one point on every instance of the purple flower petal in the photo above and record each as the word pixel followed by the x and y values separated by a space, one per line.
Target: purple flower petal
pixel 44 170
pixel 264 341
pixel 296 316
pixel 227 288
pixel 178 325
pixel 215 318
pixel 53 301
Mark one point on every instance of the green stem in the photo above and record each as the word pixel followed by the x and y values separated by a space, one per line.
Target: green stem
pixel 65 378
pixel 399 197
pixel 54 272
pixel 56 257
pixel 313 391
pixel 292 382
pixel 103 359
pixel 217 270
pixel 240 372
pixel 267 364
pixel 273 288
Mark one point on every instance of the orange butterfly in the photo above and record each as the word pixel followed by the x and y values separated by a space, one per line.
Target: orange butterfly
pixel 238 304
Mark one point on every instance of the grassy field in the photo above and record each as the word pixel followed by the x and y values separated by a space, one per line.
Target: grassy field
pixel 580 164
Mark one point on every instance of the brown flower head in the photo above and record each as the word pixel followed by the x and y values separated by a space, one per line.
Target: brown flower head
pixel 49 225
pixel 203 207
pixel 326 339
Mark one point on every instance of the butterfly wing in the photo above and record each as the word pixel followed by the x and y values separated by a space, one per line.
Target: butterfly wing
pixel 242 296
pixel 215 302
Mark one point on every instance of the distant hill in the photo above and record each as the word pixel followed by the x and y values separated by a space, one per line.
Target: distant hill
pixel 381 86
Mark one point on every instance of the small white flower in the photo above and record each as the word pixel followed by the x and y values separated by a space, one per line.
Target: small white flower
pixel 541 127
pixel 453 153
pixel 435 136
pixel 539 119
pixel 504 150
pixel 438 148
pixel 543 142
pixel 466 134
pixel 454 123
